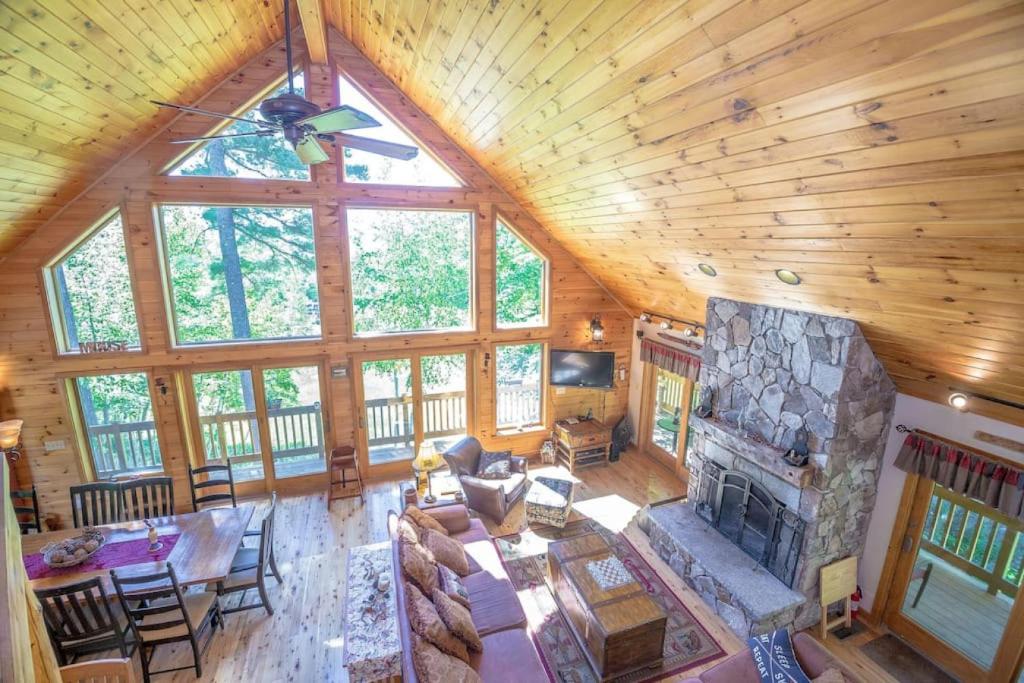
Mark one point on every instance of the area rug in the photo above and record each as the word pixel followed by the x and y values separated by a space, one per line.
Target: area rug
pixel 903 663
pixel 687 643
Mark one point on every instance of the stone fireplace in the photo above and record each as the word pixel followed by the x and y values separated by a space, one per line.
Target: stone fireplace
pixel 754 531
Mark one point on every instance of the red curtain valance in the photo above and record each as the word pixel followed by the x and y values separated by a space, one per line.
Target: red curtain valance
pixel 672 360
pixel 976 476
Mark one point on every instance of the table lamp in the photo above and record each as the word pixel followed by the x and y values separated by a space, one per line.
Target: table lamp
pixel 427 460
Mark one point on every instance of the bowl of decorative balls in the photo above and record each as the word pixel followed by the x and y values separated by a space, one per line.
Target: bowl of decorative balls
pixel 73 551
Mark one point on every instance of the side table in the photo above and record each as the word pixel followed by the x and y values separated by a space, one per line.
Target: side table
pixel 373 649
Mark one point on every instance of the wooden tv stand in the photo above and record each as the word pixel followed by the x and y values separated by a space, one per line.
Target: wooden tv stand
pixel 585 443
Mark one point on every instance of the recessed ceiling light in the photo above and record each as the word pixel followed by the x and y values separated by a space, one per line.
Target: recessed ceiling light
pixel 707 269
pixel 958 401
pixel 788 276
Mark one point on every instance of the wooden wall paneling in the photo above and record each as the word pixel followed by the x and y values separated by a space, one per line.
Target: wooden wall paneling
pixel 33 375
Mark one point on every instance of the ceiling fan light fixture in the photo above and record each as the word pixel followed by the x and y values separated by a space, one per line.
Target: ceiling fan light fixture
pixel 788 276
pixel 707 269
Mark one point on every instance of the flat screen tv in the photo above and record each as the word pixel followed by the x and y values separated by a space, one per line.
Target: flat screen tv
pixel 595 369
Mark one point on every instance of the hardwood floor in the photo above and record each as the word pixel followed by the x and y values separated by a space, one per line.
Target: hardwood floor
pixel 303 640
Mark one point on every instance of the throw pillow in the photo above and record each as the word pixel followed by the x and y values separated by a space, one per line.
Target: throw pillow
pixel 494 465
pixel 450 585
pixel 424 620
pixel 423 520
pixel 418 565
pixel 434 666
pixel 408 532
pixel 458 620
pixel 447 551
pixel 828 676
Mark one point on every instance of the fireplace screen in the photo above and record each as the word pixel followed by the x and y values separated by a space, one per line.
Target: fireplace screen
pixel 745 513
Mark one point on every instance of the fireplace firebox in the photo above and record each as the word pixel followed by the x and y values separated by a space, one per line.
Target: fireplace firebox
pixel 748 515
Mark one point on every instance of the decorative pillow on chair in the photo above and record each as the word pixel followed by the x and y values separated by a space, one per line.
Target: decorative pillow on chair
pixel 425 620
pixel 423 520
pixel 418 565
pixel 494 465
pixel 446 551
pixel 450 585
pixel 458 620
pixel 434 666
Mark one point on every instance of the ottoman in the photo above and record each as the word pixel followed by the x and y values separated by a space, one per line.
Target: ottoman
pixel 549 501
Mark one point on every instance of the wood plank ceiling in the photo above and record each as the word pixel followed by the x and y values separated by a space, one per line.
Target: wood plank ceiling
pixel 874 147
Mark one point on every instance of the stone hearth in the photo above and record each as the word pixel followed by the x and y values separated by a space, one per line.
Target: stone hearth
pixel 775 372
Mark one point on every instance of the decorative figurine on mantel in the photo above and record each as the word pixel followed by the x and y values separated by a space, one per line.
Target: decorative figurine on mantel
pixel 799 454
pixel 707 396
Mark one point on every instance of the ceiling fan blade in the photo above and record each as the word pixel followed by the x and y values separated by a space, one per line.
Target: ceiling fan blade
pixel 310 152
pixel 388 149
pixel 259 133
pixel 204 112
pixel 338 119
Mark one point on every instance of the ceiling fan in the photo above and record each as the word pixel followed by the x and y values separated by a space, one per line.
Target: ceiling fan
pixel 302 123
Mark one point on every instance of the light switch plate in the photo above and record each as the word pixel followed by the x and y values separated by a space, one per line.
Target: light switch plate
pixel 559 391
pixel 55 445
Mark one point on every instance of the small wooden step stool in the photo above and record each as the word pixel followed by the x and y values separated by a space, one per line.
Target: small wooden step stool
pixel 343 459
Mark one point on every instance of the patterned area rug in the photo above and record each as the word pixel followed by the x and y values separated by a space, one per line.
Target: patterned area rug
pixel 687 643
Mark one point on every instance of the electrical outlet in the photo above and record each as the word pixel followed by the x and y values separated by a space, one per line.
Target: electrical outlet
pixel 55 445
pixel 559 391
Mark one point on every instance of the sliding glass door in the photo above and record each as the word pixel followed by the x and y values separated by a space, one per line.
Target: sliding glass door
pixel 409 400
pixel 267 422
pixel 664 420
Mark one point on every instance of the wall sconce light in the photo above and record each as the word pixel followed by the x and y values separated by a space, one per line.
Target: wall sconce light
pixel 10 436
pixel 596 329
pixel 487 362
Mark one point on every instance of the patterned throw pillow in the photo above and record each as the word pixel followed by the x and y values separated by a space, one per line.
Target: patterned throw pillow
pixel 418 565
pixel 457 619
pixel 494 465
pixel 424 620
pixel 450 585
pixel 434 666
pixel 408 532
pixel 423 520
pixel 446 551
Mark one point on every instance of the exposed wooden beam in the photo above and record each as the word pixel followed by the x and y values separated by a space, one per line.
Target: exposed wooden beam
pixel 311 13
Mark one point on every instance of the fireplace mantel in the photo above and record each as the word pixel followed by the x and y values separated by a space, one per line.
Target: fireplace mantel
pixel 764 455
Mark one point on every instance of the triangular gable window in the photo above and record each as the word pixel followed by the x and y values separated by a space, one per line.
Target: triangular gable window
pixel 521 280
pixel 247 157
pixel 91 296
pixel 364 167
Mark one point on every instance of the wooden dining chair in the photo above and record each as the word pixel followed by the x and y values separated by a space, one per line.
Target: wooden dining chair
pixel 99 671
pixel 96 503
pixel 81 620
pixel 248 558
pixel 212 485
pixel 27 513
pixel 160 614
pixel 343 459
pixel 252 578
pixel 147 497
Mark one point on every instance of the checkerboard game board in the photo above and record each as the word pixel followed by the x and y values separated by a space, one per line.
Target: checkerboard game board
pixel 609 573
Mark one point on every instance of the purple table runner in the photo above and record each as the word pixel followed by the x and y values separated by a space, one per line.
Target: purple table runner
pixel 110 556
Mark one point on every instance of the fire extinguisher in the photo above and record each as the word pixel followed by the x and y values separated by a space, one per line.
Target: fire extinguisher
pixel 855 602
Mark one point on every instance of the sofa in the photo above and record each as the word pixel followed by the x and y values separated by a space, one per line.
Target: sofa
pixel 739 667
pixel 491 497
pixel 508 653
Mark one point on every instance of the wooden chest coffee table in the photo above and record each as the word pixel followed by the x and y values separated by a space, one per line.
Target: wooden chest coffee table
pixel 620 628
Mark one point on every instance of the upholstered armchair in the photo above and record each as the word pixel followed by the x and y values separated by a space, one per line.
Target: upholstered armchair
pixel 491 497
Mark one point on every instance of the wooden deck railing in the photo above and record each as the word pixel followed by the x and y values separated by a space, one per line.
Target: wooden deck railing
pixel 976 539
pixel 124 447
pixel 389 421
pixel 518 404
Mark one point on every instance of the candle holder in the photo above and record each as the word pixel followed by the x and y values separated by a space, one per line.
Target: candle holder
pixel 154 539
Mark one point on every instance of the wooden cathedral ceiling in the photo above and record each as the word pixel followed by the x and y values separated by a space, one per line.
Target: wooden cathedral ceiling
pixel 874 147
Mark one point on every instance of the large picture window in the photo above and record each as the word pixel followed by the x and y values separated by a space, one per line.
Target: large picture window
pixel 412 271
pixel 519 373
pixel 91 292
pixel 240 273
pixel 117 416
pixel 520 280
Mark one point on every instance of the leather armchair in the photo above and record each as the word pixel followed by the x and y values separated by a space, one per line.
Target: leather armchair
pixel 491 497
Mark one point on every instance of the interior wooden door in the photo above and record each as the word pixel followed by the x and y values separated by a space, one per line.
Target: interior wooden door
pixel 955 595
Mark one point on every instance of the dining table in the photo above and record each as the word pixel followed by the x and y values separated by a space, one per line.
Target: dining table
pixel 201 545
